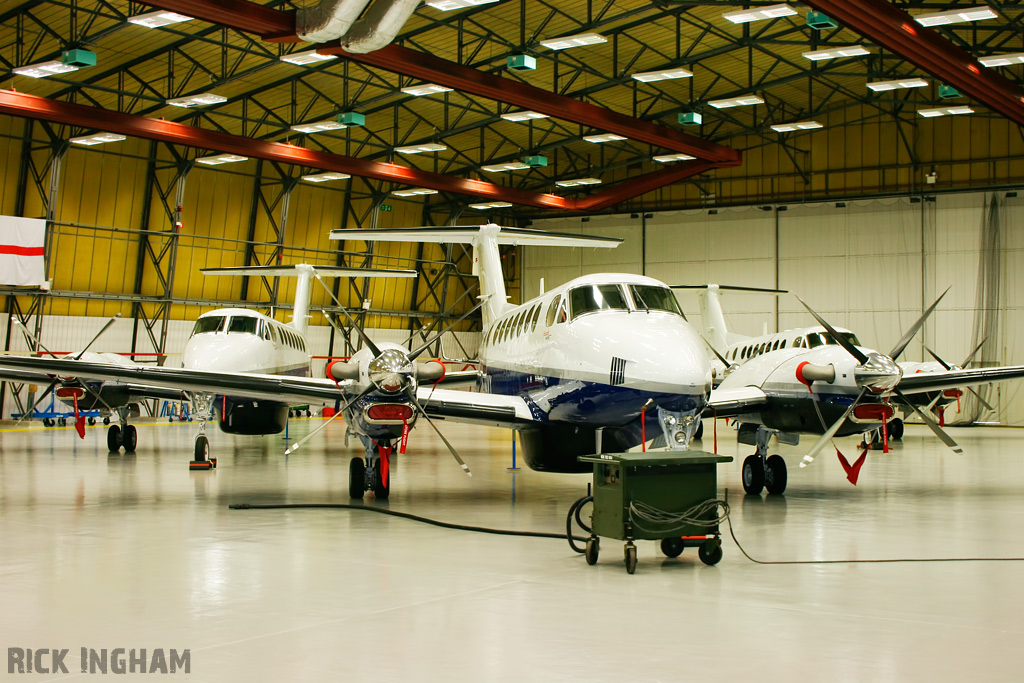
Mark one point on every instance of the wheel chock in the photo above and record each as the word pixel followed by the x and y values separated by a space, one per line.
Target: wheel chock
pixel 200 465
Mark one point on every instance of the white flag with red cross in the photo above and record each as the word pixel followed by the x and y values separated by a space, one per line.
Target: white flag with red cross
pixel 21 251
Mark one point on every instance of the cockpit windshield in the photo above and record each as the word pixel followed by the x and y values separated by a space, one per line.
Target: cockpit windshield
pixel 590 298
pixel 213 323
pixel 243 324
pixel 653 298
pixel 815 339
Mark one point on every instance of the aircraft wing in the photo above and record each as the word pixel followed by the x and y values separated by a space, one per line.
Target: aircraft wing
pixel 951 379
pixel 24 377
pixel 735 401
pixel 493 410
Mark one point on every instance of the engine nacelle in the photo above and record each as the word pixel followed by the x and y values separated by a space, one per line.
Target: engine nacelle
pixel 252 417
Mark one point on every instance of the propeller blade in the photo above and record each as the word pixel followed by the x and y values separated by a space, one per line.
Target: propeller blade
pixel 938 360
pixel 981 400
pixel 31 339
pixel 423 347
pixel 715 351
pixel 110 322
pixel 902 344
pixel 451 449
pixel 843 341
pixel 366 339
pixel 827 436
pixel 939 432
pixel 295 446
pixel 39 399
pixel 967 361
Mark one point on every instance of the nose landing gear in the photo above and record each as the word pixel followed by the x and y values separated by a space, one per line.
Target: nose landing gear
pixel 374 473
pixel 201 404
pixel 762 471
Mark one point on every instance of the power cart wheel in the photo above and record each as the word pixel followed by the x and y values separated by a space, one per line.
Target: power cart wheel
pixel 672 547
pixel 710 556
pixel 593 550
pixel 630 558
pixel 753 475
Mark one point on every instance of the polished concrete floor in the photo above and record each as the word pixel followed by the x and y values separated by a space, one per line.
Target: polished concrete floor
pixel 135 551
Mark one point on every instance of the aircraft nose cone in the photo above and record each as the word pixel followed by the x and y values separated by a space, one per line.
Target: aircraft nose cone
pixel 879 374
pixel 673 357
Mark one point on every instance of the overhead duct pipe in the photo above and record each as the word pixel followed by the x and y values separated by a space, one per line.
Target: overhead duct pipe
pixel 340 19
pixel 328 19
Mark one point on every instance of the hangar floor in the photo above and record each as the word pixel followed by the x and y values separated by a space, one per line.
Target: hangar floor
pixel 135 551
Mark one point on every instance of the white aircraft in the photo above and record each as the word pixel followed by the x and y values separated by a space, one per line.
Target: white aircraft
pixel 801 381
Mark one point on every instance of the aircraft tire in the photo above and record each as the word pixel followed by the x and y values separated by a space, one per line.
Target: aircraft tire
pixel 896 429
pixel 114 438
pixel 356 478
pixel 380 491
pixel 753 475
pixel 129 438
pixel 777 476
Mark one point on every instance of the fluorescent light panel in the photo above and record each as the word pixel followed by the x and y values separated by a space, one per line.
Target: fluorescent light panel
pixel 945 111
pixel 956 16
pixel 523 115
pixel 44 69
pixel 665 158
pixel 197 100
pixel 799 125
pixel 425 89
pixel 97 139
pixel 736 102
pixel 158 19
pixel 220 159
pixel 833 53
pixel 1003 60
pixel 416 149
pixel 745 16
pixel 578 181
pixel 449 5
pixel 413 192
pixel 324 177
pixel 667 74
pixel 306 57
pixel 318 126
pixel 577 40
pixel 604 137
pixel 510 166
pixel 490 205
pixel 880 86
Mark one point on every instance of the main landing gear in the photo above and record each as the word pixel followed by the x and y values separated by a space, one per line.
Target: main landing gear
pixel 122 434
pixel 761 470
pixel 201 404
pixel 373 473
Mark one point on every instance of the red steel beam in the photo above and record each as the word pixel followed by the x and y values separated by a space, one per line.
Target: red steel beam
pixel 402 60
pixel 34 107
pixel 266 22
pixel 895 30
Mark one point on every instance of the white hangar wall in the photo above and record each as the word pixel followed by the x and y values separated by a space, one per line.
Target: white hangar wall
pixel 872 266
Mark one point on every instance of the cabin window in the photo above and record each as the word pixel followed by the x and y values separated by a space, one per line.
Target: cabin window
pixel 783 344
pixel 591 298
pixel 654 298
pixel 549 319
pixel 535 318
pixel 519 323
pixel 213 323
pixel 775 346
pixel 242 324
pixel 798 343
pixel 273 333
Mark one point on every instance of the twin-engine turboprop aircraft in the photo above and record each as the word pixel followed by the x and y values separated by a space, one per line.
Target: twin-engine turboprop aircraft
pixel 802 381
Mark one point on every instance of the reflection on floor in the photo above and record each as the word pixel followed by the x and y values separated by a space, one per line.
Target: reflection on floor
pixel 135 551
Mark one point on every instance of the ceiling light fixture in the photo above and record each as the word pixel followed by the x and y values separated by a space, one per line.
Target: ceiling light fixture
pixel 220 159
pixel 736 102
pixel 578 181
pixel 833 53
pixel 324 177
pixel 667 74
pixel 945 111
pixel 490 205
pixel 510 166
pixel 665 158
pixel 880 86
pixel 523 116
pixel 158 19
pixel 199 100
pixel 318 126
pixel 413 192
pixel 306 57
pixel 44 69
pixel 745 16
pixel 577 40
pixel 956 16
pixel 416 149
pixel 604 137
pixel 799 125
pixel 449 5
pixel 1003 60
pixel 425 89
pixel 97 139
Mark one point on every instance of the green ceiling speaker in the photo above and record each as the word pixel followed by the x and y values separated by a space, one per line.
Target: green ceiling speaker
pixel 352 118
pixel 819 21
pixel 535 161
pixel 690 118
pixel 79 58
pixel 522 62
pixel 948 92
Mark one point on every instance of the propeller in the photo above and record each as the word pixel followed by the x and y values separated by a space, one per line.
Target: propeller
pixel 967 361
pixel 410 393
pixel 295 446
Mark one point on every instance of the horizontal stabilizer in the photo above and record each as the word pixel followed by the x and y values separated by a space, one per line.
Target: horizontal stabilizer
pixel 294 270
pixel 469 234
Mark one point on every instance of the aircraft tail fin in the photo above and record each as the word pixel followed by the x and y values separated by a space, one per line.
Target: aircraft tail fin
pixel 486 257
pixel 715 330
pixel 305 273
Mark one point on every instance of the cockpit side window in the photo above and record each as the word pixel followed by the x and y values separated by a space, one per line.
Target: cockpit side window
pixel 653 298
pixel 213 323
pixel 590 298
pixel 549 319
pixel 243 324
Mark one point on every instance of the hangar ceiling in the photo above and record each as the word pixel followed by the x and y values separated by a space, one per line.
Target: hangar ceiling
pixel 239 58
